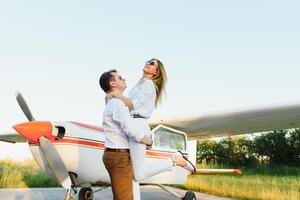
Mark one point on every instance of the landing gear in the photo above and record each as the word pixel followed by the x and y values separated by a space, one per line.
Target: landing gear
pixel 189 196
pixel 85 194
pixel 69 195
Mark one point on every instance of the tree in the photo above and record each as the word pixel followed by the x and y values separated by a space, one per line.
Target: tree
pixel 205 152
pixel 230 151
pixel 273 147
pixel 294 146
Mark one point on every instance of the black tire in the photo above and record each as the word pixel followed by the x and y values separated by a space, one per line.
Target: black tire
pixel 85 194
pixel 189 196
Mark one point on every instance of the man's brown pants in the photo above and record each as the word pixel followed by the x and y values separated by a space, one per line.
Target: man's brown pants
pixel 118 165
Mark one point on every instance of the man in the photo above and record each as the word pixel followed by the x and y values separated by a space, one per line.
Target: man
pixel 118 127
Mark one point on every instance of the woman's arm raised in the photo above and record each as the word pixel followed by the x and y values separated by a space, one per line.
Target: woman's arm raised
pixel 120 96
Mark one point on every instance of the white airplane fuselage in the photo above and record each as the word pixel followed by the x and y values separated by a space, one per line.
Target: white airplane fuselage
pixel 81 148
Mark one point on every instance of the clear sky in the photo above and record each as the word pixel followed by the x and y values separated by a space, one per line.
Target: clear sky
pixel 219 55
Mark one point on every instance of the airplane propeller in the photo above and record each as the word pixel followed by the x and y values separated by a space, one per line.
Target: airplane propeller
pixel 12 138
pixel 8 141
pixel 40 131
pixel 22 103
pixel 55 162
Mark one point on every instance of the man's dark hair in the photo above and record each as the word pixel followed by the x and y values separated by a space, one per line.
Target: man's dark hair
pixel 105 78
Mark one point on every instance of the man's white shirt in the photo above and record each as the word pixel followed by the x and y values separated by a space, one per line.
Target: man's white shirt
pixel 118 125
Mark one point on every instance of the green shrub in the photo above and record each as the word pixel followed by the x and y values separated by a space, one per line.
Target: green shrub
pixel 275 148
pixel 24 174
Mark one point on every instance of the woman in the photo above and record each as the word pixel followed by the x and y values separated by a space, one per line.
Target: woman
pixel 141 101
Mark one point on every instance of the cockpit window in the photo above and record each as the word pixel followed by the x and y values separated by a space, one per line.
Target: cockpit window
pixel 169 139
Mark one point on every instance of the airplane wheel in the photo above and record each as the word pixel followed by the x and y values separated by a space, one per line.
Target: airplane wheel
pixel 189 196
pixel 85 194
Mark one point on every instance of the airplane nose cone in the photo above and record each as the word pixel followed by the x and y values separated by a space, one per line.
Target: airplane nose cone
pixel 34 130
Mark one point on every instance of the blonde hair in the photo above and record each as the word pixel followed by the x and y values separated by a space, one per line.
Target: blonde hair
pixel 160 81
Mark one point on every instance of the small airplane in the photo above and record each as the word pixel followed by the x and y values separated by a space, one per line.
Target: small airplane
pixel 71 152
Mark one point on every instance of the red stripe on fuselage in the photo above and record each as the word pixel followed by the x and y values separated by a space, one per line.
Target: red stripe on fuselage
pixel 80 142
pixel 158 154
pixel 96 128
pixel 101 145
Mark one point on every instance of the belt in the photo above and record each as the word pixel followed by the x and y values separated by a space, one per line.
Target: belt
pixel 117 150
pixel 138 116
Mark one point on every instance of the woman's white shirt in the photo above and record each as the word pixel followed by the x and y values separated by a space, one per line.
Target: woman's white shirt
pixel 143 97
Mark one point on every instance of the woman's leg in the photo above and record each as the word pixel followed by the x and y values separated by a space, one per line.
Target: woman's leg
pixel 142 170
pixel 136 190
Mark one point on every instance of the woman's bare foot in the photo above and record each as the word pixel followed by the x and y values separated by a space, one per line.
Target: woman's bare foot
pixel 178 160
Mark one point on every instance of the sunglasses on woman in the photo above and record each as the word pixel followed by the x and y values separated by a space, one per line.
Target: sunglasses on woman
pixel 151 62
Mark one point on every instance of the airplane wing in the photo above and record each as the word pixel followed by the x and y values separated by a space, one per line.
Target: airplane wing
pixel 12 138
pixel 259 119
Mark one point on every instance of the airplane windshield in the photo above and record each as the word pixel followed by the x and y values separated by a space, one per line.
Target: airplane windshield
pixel 169 139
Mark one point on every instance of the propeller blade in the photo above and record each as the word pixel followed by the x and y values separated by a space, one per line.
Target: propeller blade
pixel 22 103
pixel 55 163
pixel 9 141
pixel 12 138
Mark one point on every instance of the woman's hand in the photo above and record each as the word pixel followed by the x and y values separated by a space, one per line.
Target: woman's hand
pixel 111 95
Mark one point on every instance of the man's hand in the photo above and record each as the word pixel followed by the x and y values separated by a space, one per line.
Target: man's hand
pixel 146 141
pixel 149 146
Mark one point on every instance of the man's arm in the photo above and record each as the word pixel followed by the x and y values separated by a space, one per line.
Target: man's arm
pixel 122 116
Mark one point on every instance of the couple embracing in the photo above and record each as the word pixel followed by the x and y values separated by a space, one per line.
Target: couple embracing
pixel 127 132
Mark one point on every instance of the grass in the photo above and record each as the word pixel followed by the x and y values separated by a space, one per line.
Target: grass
pixel 25 174
pixel 266 183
